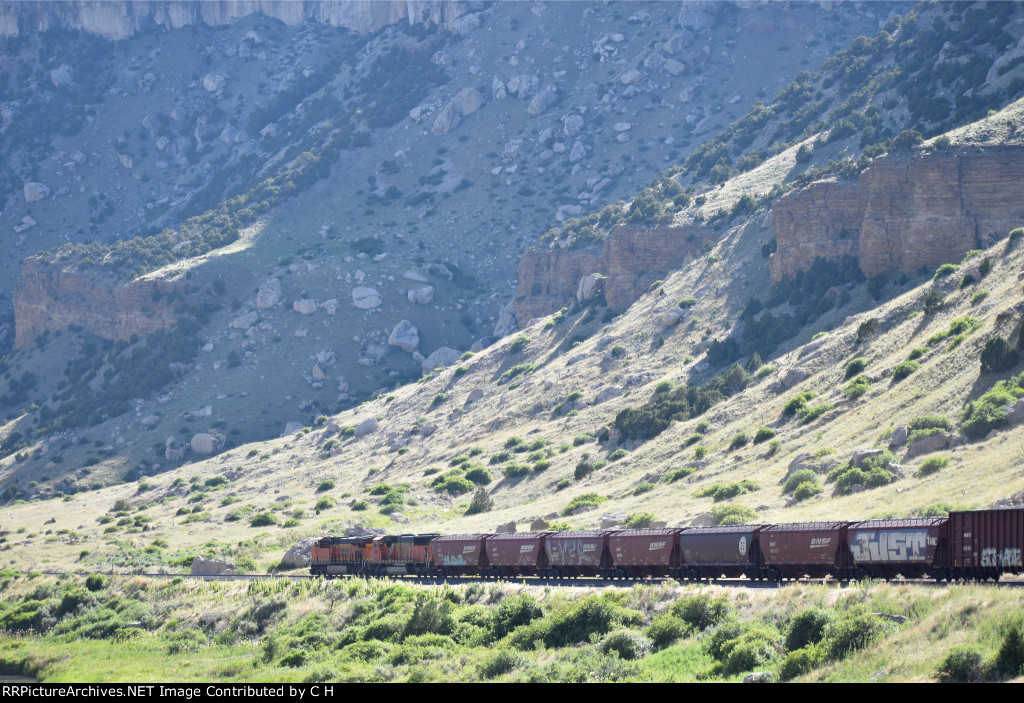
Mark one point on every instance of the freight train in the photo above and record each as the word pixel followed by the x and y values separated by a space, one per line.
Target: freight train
pixel 966 545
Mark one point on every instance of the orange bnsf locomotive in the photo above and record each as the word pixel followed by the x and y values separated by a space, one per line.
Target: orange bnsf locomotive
pixel 976 544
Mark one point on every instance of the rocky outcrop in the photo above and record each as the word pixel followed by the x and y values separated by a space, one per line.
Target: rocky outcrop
pixel 202 566
pixel 50 298
pixel 121 19
pixel 630 259
pixel 904 212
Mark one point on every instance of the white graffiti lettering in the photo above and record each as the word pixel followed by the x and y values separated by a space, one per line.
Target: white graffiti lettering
pixel 1008 557
pixel 890 545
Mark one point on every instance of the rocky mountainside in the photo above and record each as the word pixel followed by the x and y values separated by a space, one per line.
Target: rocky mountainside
pixel 813 311
pixel 332 213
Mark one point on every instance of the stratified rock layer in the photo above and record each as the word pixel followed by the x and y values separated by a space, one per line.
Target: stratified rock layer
pixel 902 213
pixel 50 298
pixel 630 259
pixel 120 19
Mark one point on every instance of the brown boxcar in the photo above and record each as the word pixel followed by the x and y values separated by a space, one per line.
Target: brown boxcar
pixel 644 552
pixel 577 553
pixel 714 552
pixel 517 554
pixel 909 548
pixel 459 555
pixel 799 549
pixel 986 543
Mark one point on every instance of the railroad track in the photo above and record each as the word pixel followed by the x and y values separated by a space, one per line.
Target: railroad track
pixel 583 582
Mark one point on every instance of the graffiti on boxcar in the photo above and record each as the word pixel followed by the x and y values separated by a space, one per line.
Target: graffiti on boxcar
pixel 1007 557
pixel 574 552
pixel 890 545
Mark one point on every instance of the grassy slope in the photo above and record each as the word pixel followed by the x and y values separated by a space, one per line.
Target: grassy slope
pixel 138 629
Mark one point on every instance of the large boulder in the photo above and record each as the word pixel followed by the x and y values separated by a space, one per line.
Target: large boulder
pixel 468 101
pixel 245 320
pixel 34 191
pixel 794 376
pixel 203 566
pixel 859 455
pixel 213 82
pixel 366 427
pixel 305 306
pixel 508 321
pixel 447 119
pixel 300 554
pixel 542 101
pixel 445 356
pixel 366 298
pixel 589 287
pixel 421 296
pixel 506 528
pixel 207 443
pixel 926 445
pixel 270 293
pixel 405 336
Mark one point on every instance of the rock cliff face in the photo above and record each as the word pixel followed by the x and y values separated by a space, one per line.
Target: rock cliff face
pixel 902 213
pixel 49 298
pixel 114 19
pixel 631 259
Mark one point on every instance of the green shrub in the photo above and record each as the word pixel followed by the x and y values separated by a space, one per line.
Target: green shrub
pixel 979 297
pixel 500 457
pixel 800 661
pixel 904 369
pixel 617 454
pixel 857 387
pixel 639 521
pixel 582 438
pixel 517 371
pixel 645 487
pixel 628 644
pixel 263 519
pixel 740 440
pixel 807 628
pixel 732 515
pixel 797 404
pixel 502 662
pixel 678 474
pixel 688 302
pixel 917 353
pixel 963 664
pixel 798 477
pixel 518 344
pixel 814 413
pixel 665 630
pixel 933 465
pixel 587 501
pixel 325 503
pixel 852 632
pixel 692 439
pixel 513 471
pixel 726 491
pixel 807 489
pixel 980 417
pixel 95 582
pixel 868 329
pixel 945 270
pixel 479 475
pixel 766 370
pixel 763 435
pixel 854 367
pixel 438 399
pixel 1009 659
pixel 325 486
pixel 361 505
pixel 702 611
